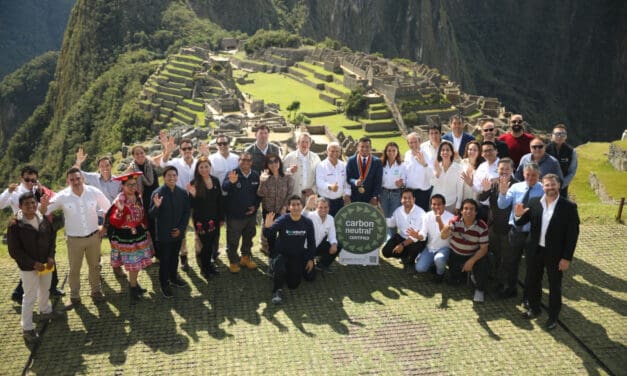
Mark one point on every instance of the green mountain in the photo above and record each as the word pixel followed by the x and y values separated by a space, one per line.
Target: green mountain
pixel 28 28
pixel 563 61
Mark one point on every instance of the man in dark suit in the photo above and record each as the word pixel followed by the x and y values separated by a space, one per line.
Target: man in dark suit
pixel 457 136
pixel 551 244
pixel 364 173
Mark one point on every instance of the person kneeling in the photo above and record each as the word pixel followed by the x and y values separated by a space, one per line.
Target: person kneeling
pixel 405 217
pixel 437 249
pixel 469 243
pixel 327 247
pixel 291 259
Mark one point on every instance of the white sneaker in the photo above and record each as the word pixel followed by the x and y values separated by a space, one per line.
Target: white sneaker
pixel 479 297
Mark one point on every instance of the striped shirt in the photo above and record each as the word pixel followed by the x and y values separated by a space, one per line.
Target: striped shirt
pixel 465 241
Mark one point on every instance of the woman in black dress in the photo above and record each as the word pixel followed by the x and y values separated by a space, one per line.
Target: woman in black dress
pixel 207 212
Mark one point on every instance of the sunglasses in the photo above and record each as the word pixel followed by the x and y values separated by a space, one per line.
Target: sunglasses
pixel 131 185
pixel 273 161
pixel 537 146
pixel 488 130
pixel 222 143
pixel 187 148
pixel 559 134
pixel 29 180
pixel 517 121
pixel 246 160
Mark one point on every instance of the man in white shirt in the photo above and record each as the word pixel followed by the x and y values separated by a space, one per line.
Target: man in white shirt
pixel 437 249
pixel 430 147
pixel 551 243
pixel 223 161
pixel 402 245
pixel 418 171
pixel 80 204
pixel 301 165
pixel 327 248
pixel 331 179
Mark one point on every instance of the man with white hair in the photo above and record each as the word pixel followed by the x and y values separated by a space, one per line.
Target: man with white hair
pixel 331 179
pixel 301 165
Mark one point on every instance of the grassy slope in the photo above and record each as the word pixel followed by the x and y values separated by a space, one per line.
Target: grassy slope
pixel 593 158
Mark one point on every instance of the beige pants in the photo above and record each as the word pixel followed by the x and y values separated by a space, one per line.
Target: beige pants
pixel 89 248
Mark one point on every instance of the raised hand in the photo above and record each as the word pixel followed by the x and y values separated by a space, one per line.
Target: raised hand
pixel 269 220
pixel 437 168
pixel 157 200
pixel 420 157
pixel 81 157
pixel 120 206
pixel 265 174
pixel 203 148
pixel 294 168
pixel 486 184
pixel 12 187
pixel 233 177
pixel 520 210
pixel 466 177
pixel 399 183
pixel 191 189
pixel 503 184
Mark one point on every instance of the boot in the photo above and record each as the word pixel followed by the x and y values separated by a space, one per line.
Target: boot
pixel 134 294
pixel 184 264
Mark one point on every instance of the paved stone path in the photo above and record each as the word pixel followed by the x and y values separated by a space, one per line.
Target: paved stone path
pixel 357 320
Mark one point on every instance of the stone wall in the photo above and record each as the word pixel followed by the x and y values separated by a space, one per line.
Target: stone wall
pixel 617 157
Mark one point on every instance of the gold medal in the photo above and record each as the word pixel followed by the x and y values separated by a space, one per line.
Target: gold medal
pixel 361 190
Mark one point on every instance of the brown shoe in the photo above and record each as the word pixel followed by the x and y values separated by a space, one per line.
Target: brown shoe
pixel 119 272
pixel 98 297
pixel 248 262
pixel 234 268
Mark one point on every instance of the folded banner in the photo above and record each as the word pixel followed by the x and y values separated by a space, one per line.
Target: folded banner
pixel 361 230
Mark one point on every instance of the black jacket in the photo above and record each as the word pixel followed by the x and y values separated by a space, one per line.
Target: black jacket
pixel 562 233
pixel 27 244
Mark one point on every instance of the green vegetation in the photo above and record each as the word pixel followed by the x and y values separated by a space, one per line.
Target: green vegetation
pixel 356 103
pixel 271 38
pixel 277 88
pixel 592 158
pixel 22 91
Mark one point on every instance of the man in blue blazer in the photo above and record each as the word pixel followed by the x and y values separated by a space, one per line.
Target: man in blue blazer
pixel 457 136
pixel 364 173
pixel 551 244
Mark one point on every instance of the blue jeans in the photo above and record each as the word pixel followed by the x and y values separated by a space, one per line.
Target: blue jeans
pixel 428 258
pixel 390 200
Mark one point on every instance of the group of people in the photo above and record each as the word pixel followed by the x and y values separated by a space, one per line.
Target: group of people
pixel 451 201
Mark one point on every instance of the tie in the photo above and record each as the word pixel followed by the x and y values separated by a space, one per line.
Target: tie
pixel 363 164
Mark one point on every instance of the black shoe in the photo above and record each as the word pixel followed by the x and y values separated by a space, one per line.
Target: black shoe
pixel 184 264
pixel 438 278
pixel 212 269
pixel 16 298
pixel 508 293
pixel 135 294
pixel 530 314
pixel 525 303
pixel 167 292
pixel 454 282
pixel 177 282
pixel 141 289
pixel 57 292
pixel 550 324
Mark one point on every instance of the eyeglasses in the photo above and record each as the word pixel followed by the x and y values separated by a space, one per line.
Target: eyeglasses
pixel 537 147
pixel 187 148
pixel 29 180
pixel 273 161
pixel 488 129
pixel 222 143
pixel 559 134
pixel 517 121
pixel 245 160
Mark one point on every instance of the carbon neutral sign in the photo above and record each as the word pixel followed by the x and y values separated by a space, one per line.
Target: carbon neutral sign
pixel 361 230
